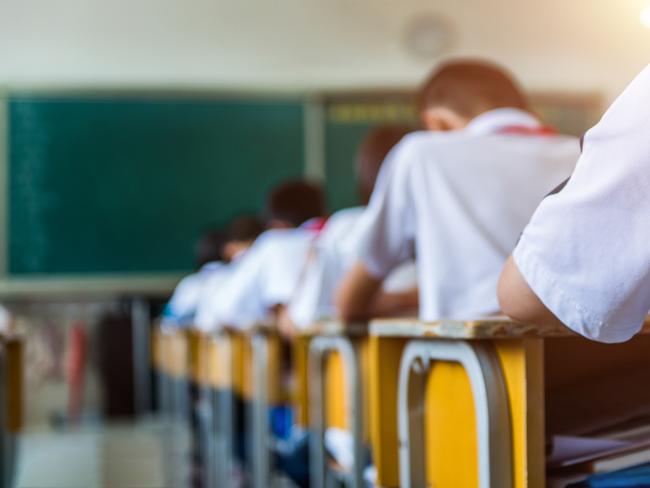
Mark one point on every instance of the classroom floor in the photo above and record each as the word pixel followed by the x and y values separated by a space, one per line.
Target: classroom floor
pixel 146 455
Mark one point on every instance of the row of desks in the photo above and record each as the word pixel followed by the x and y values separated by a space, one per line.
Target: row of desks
pixel 451 403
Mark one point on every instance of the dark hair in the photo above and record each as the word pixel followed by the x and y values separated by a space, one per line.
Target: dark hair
pixel 295 202
pixel 371 154
pixel 470 87
pixel 245 228
pixel 209 247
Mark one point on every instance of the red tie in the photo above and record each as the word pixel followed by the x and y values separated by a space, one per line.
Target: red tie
pixel 522 130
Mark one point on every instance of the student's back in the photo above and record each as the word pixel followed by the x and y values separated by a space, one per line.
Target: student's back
pixel 338 245
pixel 268 274
pixel 468 195
pixel 181 309
pixel 459 194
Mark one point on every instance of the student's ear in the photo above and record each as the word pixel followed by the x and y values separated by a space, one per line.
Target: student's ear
pixel 439 119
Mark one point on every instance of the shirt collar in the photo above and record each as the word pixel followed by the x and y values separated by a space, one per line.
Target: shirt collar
pixel 495 120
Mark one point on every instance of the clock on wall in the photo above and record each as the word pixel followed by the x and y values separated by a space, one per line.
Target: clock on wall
pixel 428 35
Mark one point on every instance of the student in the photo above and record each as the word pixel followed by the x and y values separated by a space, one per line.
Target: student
pixel 266 277
pixel 336 248
pixel 584 258
pixel 241 234
pixel 181 308
pixel 458 194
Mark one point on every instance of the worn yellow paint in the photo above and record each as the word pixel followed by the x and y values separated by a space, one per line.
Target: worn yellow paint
pixel 450 426
pixel 194 355
pixel 522 361
pixel 300 400
pixel 274 369
pixel 383 361
pixel 176 354
pixel 336 398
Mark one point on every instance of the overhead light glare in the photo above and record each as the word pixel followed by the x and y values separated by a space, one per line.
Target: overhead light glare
pixel 645 17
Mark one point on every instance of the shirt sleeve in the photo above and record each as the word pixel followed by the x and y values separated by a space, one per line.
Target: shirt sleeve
pixel 586 251
pixel 388 223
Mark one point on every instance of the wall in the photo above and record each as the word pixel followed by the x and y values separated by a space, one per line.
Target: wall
pixel 551 44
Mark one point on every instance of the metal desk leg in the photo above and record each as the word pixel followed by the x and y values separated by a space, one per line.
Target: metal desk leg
pixel 226 415
pixel 318 350
pixel 492 409
pixel 141 330
pixel 261 428
pixel 206 422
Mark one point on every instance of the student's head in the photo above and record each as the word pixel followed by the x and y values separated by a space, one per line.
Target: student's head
pixel 240 236
pixel 293 203
pixel 371 154
pixel 209 247
pixel 458 91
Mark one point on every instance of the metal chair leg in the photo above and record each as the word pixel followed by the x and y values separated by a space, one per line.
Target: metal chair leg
pixel 226 416
pixel 261 429
pixel 319 348
pixel 492 409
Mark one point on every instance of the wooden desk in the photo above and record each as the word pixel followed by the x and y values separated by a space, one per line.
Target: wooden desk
pixel 473 393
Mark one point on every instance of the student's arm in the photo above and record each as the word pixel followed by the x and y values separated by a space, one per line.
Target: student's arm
pixel 393 304
pixel 519 302
pixel 357 294
pixel 584 255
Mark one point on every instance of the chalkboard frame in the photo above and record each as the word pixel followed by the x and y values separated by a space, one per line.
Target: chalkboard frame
pixel 139 95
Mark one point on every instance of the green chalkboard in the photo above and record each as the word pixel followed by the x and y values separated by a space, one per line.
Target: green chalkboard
pixel 348 120
pixel 118 184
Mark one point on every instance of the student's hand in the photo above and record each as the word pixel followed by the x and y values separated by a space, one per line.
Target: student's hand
pixel 356 294
pixel 404 303
pixel 286 326
pixel 519 302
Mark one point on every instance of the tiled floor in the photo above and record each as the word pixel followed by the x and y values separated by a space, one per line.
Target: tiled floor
pixel 143 456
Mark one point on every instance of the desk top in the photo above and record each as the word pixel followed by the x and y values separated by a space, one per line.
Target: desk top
pixel 335 327
pixel 500 327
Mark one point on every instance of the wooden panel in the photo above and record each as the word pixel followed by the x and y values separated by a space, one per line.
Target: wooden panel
pixel 488 328
pixel 15 384
pixel 581 374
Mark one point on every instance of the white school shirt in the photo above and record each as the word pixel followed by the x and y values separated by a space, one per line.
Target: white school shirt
pixel 181 309
pixel 332 255
pixel 586 251
pixel 461 200
pixel 208 309
pixel 266 276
